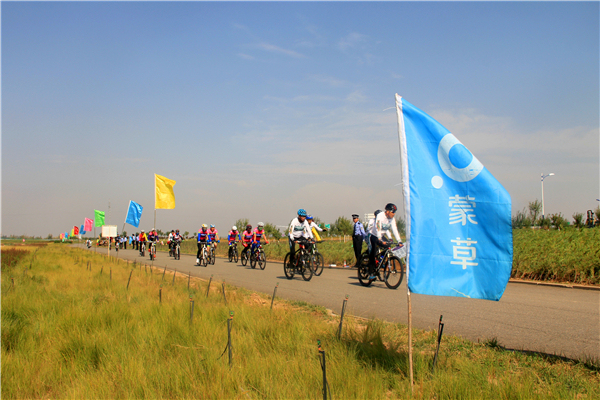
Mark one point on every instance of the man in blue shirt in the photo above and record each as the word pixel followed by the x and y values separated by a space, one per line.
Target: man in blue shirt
pixel 358 235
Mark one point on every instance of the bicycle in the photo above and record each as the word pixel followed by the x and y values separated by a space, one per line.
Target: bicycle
pixel 302 264
pixel 211 255
pixel 258 257
pixel 152 251
pixel 244 255
pixel 177 251
pixel 317 259
pixel 233 252
pixel 389 266
pixel 204 254
pixel 143 249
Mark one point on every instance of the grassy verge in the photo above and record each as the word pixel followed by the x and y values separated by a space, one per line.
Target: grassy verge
pixel 76 325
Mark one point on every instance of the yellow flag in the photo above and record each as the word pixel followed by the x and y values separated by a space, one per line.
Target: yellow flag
pixel 165 198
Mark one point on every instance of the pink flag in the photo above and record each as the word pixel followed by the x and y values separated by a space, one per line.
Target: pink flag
pixel 88 225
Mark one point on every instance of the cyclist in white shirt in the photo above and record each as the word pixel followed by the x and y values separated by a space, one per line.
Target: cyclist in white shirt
pixel 299 232
pixel 384 223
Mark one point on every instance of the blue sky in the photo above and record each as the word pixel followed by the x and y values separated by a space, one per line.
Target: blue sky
pixel 257 109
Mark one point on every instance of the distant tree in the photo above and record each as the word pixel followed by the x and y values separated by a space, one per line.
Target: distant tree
pixel 557 221
pixel 342 226
pixel 49 236
pixel 186 234
pixel 272 231
pixel 535 207
pixel 241 223
pixel 578 220
pixel 124 233
pixel 401 225
pixel 521 220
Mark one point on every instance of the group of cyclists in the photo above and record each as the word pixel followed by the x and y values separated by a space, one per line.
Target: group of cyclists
pixel 300 232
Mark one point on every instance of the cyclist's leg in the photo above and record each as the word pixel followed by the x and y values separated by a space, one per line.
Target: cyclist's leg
pixel 199 250
pixel 292 249
pixel 372 253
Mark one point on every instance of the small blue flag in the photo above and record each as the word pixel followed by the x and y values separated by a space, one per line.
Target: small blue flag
pixel 134 214
pixel 81 230
pixel 458 223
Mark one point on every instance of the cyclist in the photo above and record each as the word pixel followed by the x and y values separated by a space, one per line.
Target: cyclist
pixel 231 236
pixel 299 232
pixel 312 225
pixel 247 239
pixel 384 222
pixel 214 236
pixel 152 238
pixel 141 240
pixel 203 239
pixel 176 239
pixel 259 232
pixel 170 242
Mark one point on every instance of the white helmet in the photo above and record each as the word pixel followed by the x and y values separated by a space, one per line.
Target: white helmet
pixel 234 228
pixel 260 224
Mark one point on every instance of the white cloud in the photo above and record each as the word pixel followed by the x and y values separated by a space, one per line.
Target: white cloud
pixel 352 40
pixel 279 50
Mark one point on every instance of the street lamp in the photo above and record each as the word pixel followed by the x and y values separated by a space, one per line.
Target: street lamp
pixel 544 176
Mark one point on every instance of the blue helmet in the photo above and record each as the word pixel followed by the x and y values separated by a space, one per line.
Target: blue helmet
pixel 309 217
pixel 302 212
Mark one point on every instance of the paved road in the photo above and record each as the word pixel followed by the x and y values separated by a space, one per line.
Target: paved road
pixel 552 320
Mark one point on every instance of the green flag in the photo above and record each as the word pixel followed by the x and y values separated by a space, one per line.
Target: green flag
pixel 98 218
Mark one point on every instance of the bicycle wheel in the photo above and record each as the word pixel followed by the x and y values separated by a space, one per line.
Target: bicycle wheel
pixel 288 269
pixel 236 256
pixel 306 267
pixel 143 250
pixel 204 257
pixel 394 272
pixel 262 259
pixel 178 253
pixel 244 258
pixel 253 260
pixel 213 257
pixel 230 254
pixel 363 270
pixel 318 263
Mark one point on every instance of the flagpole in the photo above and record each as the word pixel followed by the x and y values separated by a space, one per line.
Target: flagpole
pixel 410 349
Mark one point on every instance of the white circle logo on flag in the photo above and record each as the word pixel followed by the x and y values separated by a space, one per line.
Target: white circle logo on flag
pixel 456 160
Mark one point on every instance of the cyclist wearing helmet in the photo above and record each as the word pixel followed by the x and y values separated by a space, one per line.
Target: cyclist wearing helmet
pixel 214 236
pixel 231 237
pixel 299 232
pixel 170 242
pixel 312 225
pixel 203 239
pixel 247 238
pixel 259 232
pixel 232 234
pixel 370 226
pixel 384 223
pixel 142 239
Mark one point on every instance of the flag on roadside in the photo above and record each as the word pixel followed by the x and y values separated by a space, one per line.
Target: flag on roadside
pixel 459 232
pixel 98 218
pixel 88 225
pixel 75 230
pixel 134 214
pixel 62 236
pixel 165 198
pixel 81 230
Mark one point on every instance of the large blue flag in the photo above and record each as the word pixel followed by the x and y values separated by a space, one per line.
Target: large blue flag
pixel 134 214
pixel 458 224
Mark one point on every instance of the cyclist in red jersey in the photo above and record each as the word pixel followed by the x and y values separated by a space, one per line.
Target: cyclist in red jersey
pixel 247 238
pixel 259 233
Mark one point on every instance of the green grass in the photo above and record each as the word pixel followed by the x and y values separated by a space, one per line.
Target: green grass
pixel 563 256
pixel 72 329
